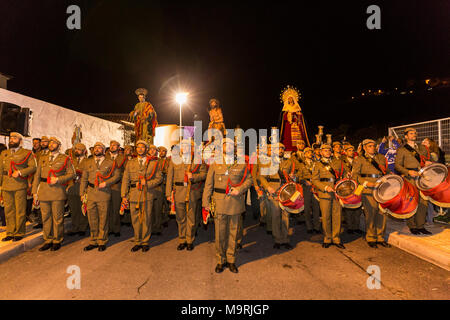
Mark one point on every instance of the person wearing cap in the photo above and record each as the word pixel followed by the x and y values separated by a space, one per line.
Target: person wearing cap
pixel 337 150
pixel 80 222
pixel 409 160
pixel 273 175
pixel 116 199
pixel 16 165
pixel 227 183
pixel 141 176
pixel 311 205
pixel 164 163
pixel 36 146
pixel 53 172
pixel 317 153
pixel 99 174
pixel 186 177
pixel 299 155
pixel 351 215
pixel 327 171
pixel 158 195
pixel 367 169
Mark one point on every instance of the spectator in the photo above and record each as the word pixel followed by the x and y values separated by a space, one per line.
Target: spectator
pixel 389 151
pixel 436 153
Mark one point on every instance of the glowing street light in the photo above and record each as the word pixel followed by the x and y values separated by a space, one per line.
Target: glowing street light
pixel 181 98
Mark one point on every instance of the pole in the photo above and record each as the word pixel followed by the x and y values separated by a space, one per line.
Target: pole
pixel 181 134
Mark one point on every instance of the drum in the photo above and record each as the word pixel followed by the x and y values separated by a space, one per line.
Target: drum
pixel 290 197
pixel 396 196
pixel 434 184
pixel 345 192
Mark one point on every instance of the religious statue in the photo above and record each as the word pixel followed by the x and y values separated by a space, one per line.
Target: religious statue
pixel 216 117
pixel 144 118
pixel 293 127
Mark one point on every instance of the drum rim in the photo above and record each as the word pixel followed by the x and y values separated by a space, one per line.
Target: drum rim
pixel 421 171
pixel 383 180
pixel 355 184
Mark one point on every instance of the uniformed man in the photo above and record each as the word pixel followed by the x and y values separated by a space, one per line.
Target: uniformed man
pixel 352 216
pixel 36 146
pixel 227 184
pixel 44 145
pixel 186 179
pixel 99 174
pixel 116 199
pixel 337 150
pixel 408 161
pixel 43 151
pixel 128 152
pixel 16 164
pixel 325 174
pixel 158 195
pixel 80 222
pixel 264 159
pixel 311 207
pixel 142 174
pixel 367 169
pixel 300 154
pixel 272 176
pixel 53 172
pixel 317 154
pixel 164 162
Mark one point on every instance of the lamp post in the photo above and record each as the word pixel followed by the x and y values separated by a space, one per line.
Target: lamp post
pixel 181 98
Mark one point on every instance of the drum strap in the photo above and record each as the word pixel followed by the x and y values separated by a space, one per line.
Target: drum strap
pixel 375 164
pixel 331 170
pixel 414 152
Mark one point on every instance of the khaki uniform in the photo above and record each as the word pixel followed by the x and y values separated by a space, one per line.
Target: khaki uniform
pixel 405 161
pixel 375 219
pixel 143 197
pixel 14 190
pixel 187 220
pixel 164 167
pixel 263 160
pixel 228 209
pixel 98 199
pixel 116 200
pixel 311 209
pixel 352 216
pixel 329 206
pixel 53 197
pixel 157 211
pixel 270 177
pixel 80 222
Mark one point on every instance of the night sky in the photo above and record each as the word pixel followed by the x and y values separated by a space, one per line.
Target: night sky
pixel 243 53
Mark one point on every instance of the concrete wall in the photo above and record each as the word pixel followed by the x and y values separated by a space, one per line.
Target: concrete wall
pixel 52 120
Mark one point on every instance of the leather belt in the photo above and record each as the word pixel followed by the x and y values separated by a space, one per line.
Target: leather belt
pixel 133 185
pixel 413 169
pixel 273 180
pixel 327 179
pixel 91 185
pixel 43 179
pixel 220 190
pixel 5 172
pixel 180 184
pixel 370 176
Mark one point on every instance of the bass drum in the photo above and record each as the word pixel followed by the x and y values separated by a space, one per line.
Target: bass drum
pixel 397 196
pixel 290 197
pixel 345 192
pixel 434 184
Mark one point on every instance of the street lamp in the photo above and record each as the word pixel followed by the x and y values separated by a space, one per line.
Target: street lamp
pixel 181 98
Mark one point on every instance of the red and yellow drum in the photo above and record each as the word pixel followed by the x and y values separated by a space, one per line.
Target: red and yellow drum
pixel 290 197
pixel 434 184
pixel 397 196
pixel 345 193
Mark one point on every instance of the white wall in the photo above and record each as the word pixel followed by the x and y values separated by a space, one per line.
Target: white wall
pixel 52 120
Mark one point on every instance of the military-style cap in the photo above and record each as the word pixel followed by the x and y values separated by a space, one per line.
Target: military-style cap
pixel 214 99
pixel 366 141
pixel 128 146
pixel 80 146
pixel 316 146
pixel 151 146
pixel 325 146
pixel 335 143
pixel 54 139
pixel 348 146
pixel 308 149
pixel 16 134
pixel 100 144
pixel 141 91
pixel 44 138
pixel 408 130
pixel 142 142
pixel 161 148
pixel 114 142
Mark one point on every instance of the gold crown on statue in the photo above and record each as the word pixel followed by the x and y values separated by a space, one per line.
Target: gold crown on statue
pixel 141 91
pixel 290 91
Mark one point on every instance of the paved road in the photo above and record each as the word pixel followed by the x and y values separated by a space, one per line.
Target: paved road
pixel 306 272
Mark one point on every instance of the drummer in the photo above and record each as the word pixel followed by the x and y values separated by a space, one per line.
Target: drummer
pixel 271 180
pixel 325 174
pixel 367 169
pixel 409 160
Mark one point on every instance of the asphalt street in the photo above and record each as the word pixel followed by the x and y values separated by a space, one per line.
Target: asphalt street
pixel 306 272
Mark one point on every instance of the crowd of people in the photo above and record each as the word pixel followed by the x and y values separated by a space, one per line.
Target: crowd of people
pixel 140 186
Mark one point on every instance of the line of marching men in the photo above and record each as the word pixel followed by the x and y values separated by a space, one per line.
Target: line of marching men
pixel 107 184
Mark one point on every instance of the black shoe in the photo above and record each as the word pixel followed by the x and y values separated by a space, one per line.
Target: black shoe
pixel 127 224
pixel 423 231
pixel 55 247
pixel 339 245
pixel 414 231
pixel 384 244
pixel 219 268
pixel 196 233
pixel 326 245
pixel 17 238
pixel 239 246
pixel 189 247
pixel 8 238
pixel 350 231
pixel 72 233
pixel 117 234
pixel 157 233
pixel 38 226
pixel 181 246
pixel 82 233
pixel 90 247
pixel 357 231
pixel 269 232
pixel 310 231
pixel 372 244
pixel 233 268
pixel 317 232
pixel 102 248
pixel 136 248
pixel 145 248
pixel 45 247
pixel 287 246
pixel 277 246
